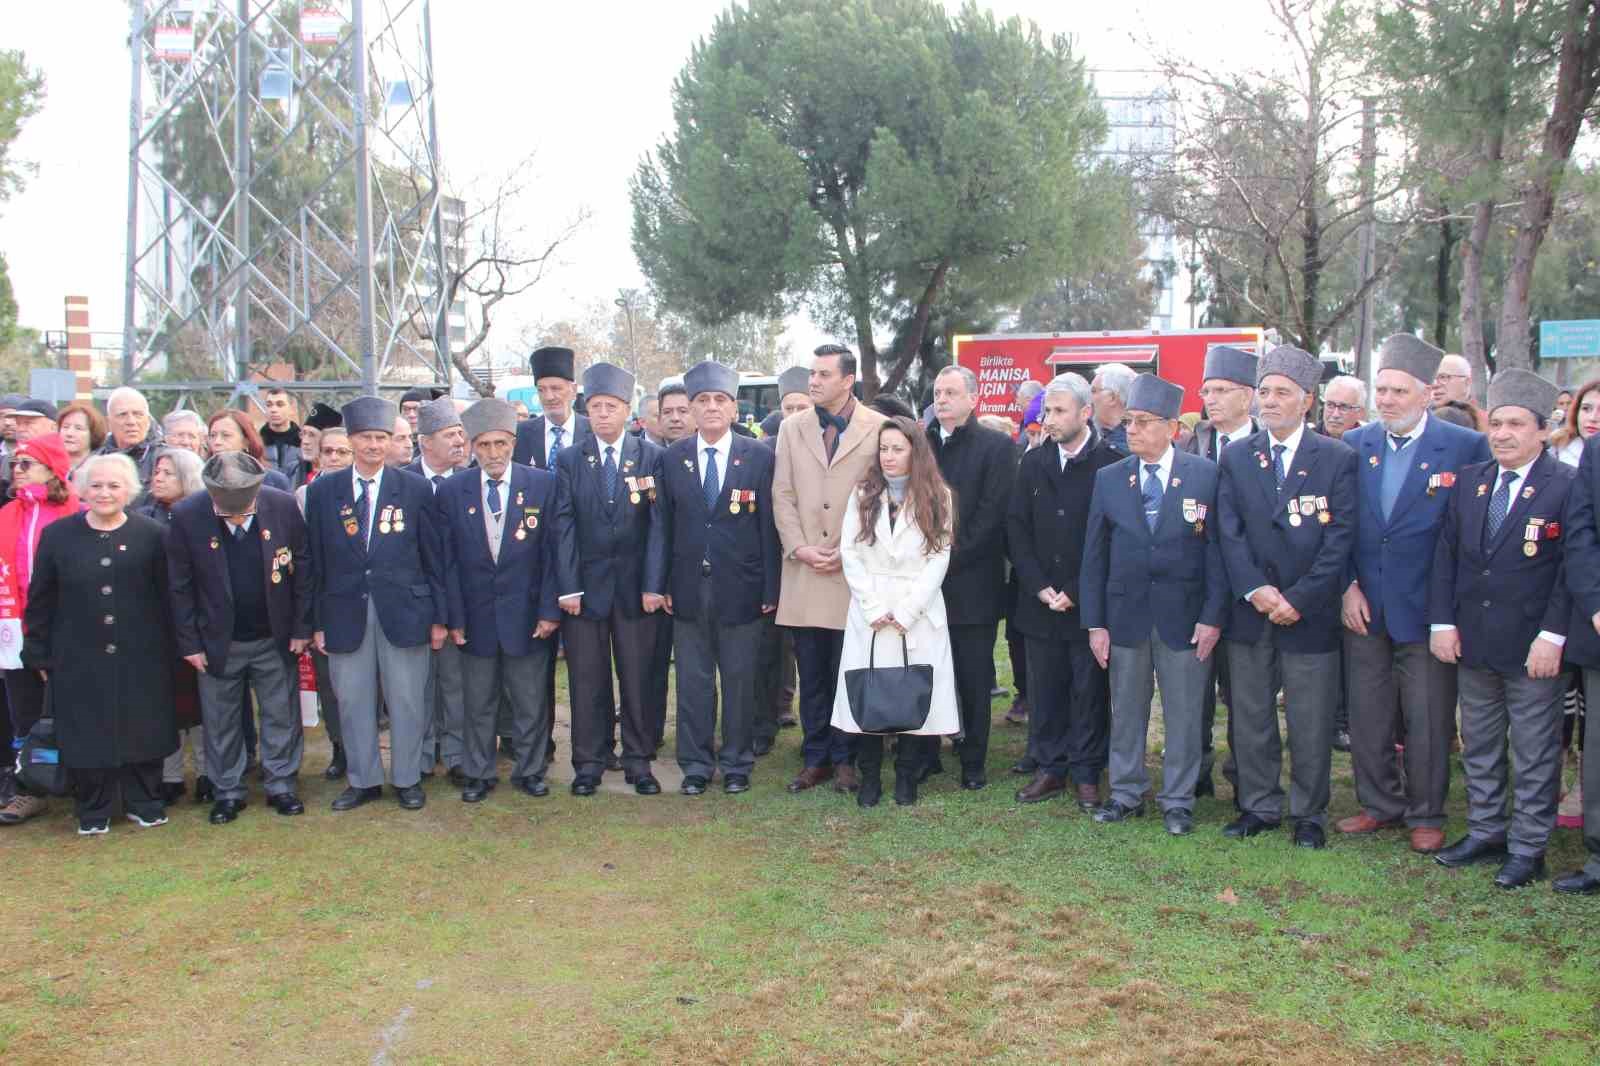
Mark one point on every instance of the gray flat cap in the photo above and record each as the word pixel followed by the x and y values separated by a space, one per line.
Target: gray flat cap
pixel 1411 354
pixel 552 361
pixel 436 415
pixel 795 379
pixel 604 379
pixel 711 377
pixel 1152 395
pixel 1523 388
pixel 1299 366
pixel 369 414
pixel 233 479
pixel 1226 363
pixel 488 416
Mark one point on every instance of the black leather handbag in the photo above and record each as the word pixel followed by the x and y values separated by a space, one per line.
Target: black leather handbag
pixel 890 699
pixel 39 760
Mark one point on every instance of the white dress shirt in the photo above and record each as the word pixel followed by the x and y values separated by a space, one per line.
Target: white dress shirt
pixel 550 449
pixel 430 473
pixel 1163 471
pixel 1290 446
pixel 1064 454
pixel 723 448
pixel 356 477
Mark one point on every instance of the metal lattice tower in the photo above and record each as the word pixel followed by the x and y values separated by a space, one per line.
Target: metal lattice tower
pixel 283 195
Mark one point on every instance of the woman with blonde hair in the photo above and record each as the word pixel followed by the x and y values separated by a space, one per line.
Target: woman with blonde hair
pixel 894 547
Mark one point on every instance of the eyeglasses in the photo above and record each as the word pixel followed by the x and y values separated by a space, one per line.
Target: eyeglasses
pixel 1208 391
pixel 22 466
pixel 1330 405
pixel 1143 423
pixel 1450 377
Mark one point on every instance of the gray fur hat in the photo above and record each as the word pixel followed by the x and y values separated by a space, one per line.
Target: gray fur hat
pixel 436 415
pixel 1296 364
pixel 487 416
pixel 711 377
pixel 604 379
pixel 232 479
pixel 1411 354
pixel 795 379
pixel 1155 396
pixel 1523 388
pixel 1227 363
pixel 369 413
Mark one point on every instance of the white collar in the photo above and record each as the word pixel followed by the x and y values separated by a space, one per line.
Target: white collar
pixel 723 446
pixel 1291 445
pixel 1410 435
pixel 1521 472
pixel 430 473
pixel 1164 465
pixel 356 478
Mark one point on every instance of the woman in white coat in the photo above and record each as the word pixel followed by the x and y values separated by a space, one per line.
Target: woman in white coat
pixel 894 546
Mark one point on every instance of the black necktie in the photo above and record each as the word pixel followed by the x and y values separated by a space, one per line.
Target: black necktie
pixel 363 520
pixel 1398 441
pixel 494 498
pixel 1278 471
pixel 438 479
pixel 611 474
pixel 1500 502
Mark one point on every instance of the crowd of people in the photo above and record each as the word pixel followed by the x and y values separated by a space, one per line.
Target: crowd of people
pixel 424 566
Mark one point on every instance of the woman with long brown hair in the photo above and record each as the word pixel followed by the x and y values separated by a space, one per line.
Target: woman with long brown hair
pixel 230 431
pixel 894 546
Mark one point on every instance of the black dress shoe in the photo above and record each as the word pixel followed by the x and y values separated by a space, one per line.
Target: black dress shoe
pixel 693 785
pixel 1204 786
pixel 412 798
pixel 1577 883
pixel 1178 821
pixel 337 767
pixel 1247 825
pixel 286 804
pixel 475 792
pixel 761 747
pixel 1025 765
pixel 532 786
pixel 613 761
pixel 458 777
pixel 1308 834
pixel 1469 850
pixel 1117 811
pixel 204 790
pixel 172 791
pixel 1520 870
pixel 583 785
pixel 225 811
pixel 974 782
pixel 647 785
pixel 732 783
pixel 353 797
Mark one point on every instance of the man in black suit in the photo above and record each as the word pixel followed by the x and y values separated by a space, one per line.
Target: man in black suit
pixel 676 422
pixel 979 465
pixel 1287 513
pixel 411 402
pixel 541 438
pixel 775 676
pixel 1154 596
pixel 1583 646
pixel 378 603
pixel 609 537
pixel 1045 529
pixel 497 527
pixel 1499 607
pixel 724 559
pixel 239 588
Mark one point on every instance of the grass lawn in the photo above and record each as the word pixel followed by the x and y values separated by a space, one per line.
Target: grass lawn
pixel 774 928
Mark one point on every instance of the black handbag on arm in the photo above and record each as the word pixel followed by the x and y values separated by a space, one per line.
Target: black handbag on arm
pixel 39 760
pixel 890 699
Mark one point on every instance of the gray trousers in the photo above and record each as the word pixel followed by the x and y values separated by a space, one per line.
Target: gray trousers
pixel 172 766
pixel 327 699
pixel 592 646
pixel 706 649
pixel 1591 787
pixel 1309 682
pixel 1390 683
pixel 1135 673
pixel 1495 707
pixel 445 702
pixel 521 679
pixel 259 664
pixel 404 674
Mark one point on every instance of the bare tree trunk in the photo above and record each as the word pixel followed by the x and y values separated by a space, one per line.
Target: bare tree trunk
pixel 1448 239
pixel 911 342
pixel 1472 253
pixel 1575 91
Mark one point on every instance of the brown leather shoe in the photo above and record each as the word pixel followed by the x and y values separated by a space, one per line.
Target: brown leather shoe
pixel 1043 786
pixel 1364 823
pixel 1427 841
pixel 845 779
pixel 1089 797
pixel 810 777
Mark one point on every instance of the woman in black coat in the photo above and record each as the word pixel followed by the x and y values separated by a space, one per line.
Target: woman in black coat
pixel 97 627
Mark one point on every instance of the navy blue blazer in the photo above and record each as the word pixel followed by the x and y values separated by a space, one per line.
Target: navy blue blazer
pixel 1134 581
pixel 1495 594
pixel 605 551
pixel 199 589
pixel 1583 558
pixel 742 548
pixel 499 604
pixel 1306 559
pixel 529 449
pixel 401 570
pixel 1393 558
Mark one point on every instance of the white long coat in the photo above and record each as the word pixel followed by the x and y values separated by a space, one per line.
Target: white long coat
pixel 893 574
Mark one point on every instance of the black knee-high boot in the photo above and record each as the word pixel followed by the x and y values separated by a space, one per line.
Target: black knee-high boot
pixel 910 755
pixel 869 766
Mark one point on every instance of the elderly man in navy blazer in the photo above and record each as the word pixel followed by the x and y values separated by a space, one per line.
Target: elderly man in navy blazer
pixel 609 537
pixel 541 438
pixel 497 523
pixel 1583 645
pixel 1407 467
pixel 1499 607
pixel 1154 597
pixel 237 563
pixel 1286 514
pixel 722 549
pixel 377 603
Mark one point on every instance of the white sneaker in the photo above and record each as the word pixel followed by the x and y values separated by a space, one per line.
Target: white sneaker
pixel 94 828
pixel 160 819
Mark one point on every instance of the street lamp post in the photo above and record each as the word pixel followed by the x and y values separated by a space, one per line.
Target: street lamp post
pixel 625 301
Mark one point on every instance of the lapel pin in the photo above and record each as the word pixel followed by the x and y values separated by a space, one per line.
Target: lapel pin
pixel 1372 460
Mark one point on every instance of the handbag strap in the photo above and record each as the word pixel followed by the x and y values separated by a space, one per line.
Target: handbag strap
pixel 872 651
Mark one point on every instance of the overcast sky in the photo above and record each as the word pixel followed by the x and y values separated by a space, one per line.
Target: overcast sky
pixel 586 86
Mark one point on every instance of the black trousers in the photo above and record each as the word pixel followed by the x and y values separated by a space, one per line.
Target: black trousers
pixel 1069 722
pixel 774 679
pixel 910 752
pixel 816 658
pixel 592 644
pixel 139 783
pixel 655 700
pixel 24 694
pixel 1220 688
pixel 1017 646
pixel 972 655
pixel 326 697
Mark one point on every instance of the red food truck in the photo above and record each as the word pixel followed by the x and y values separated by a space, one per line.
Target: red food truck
pixel 1002 361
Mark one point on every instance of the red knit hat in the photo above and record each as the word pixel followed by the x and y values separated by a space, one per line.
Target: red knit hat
pixel 48 450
